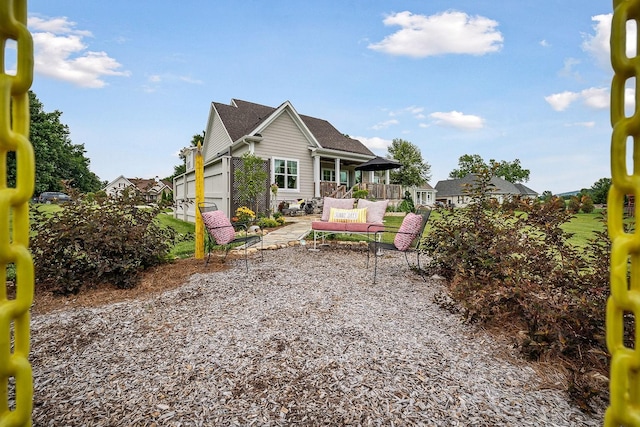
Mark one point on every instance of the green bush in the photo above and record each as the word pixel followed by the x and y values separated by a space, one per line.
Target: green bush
pixel 516 270
pixel 107 241
pixel 267 223
pixel 406 205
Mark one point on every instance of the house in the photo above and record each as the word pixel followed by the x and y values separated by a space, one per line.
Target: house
pixel 150 190
pixel 424 195
pixel 306 157
pixel 453 192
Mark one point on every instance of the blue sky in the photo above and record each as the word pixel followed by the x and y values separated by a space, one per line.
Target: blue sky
pixel 502 79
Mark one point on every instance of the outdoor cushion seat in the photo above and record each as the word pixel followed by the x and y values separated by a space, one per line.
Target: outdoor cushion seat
pixel 347 227
pixel 221 232
pixel 406 239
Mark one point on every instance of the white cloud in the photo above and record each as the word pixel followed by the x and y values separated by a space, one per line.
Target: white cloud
pixel 544 43
pixel 582 124
pixel 598 44
pixel 458 120
pixel 60 53
pixel 594 97
pixel 375 143
pixel 567 70
pixel 385 124
pixel 447 32
pixel 561 101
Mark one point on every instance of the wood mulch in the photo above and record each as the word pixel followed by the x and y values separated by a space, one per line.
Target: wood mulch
pixel 155 280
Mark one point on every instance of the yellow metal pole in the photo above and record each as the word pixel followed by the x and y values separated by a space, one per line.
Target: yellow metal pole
pixel 624 383
pixel 199 200
pixel 16 377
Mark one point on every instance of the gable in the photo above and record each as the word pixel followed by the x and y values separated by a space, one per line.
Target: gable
pixel 229 123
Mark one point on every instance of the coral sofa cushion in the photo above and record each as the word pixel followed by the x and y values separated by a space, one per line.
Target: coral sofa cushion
pixel 330 202
pixel 348 215
pixel 219 227
pixel 408 231
pixel 375 210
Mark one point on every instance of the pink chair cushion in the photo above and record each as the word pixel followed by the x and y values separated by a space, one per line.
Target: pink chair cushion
pixel 408 231
pixel 330 202
pixel 219 227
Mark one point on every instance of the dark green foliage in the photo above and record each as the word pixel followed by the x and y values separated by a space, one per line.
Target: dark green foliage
pixel 515 269
pixel 414 170
pixel 92 243
pixel 600 190
pixel 406 205
pixel 473 163
pixel 57 158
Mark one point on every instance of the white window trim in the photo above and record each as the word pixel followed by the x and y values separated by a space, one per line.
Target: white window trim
pixel 333 173
pixel 273 173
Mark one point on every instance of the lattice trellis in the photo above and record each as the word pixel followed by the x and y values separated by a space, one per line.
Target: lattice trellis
pixel 263 198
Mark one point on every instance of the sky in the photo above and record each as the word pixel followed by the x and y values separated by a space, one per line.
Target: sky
pixel 506 80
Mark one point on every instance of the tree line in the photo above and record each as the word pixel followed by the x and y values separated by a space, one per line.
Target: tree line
pixel 59 162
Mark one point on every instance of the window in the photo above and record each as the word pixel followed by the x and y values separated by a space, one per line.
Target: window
pixel 286 173
pixel 328 175
pixel 343 178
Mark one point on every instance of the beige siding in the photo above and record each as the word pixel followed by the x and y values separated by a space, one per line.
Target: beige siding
pixel 284 140
pixel 216 140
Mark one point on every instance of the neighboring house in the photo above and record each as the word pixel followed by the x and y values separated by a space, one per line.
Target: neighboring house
pixel 150 190
pixel 305 156
pixel 425 195
pixel 453 191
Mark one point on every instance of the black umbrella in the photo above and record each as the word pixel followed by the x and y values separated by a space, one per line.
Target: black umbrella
pixel 379 164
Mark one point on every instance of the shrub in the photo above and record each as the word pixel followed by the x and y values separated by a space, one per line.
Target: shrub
pixel 268 223
pixel 574 204
pixel 515 269
pixel 406 205
pixel 587 204
pixel 361 194
pixel 110 241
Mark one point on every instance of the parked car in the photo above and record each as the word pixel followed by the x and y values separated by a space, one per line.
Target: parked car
pixel 53 197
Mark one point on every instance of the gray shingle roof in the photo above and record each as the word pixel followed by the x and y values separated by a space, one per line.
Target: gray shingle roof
pixel 455 187
pixel 243 117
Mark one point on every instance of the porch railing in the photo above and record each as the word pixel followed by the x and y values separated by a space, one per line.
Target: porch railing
pixel 376 191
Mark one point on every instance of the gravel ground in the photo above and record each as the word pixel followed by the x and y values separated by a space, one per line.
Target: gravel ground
pixel 304 339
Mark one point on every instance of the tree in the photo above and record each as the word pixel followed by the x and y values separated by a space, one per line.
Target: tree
pixel 509 171
pixel 546 196
pixel 600 190
pixel 468 163
pixel 182 167
pixel 473 163
pixel 57 159
pixel 251 179
pixel 414 170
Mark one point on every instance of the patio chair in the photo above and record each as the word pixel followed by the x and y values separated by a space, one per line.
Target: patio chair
pixel 221 232
pixel 407 238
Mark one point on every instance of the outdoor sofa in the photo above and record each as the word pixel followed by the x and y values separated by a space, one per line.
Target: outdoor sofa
pixel 346 216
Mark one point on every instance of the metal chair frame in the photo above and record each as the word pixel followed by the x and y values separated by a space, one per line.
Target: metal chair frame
pixel 245 239
pixel 377 246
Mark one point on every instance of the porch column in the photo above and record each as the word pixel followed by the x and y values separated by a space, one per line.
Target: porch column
pixel 316 176
pixel 372 177
pixel 337 168
pixel 386 177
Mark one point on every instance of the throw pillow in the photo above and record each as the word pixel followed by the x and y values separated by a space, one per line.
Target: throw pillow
pixel 375 210
pixel 348 215
pixel 330 202
pixel 408 231
pixel 219 227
